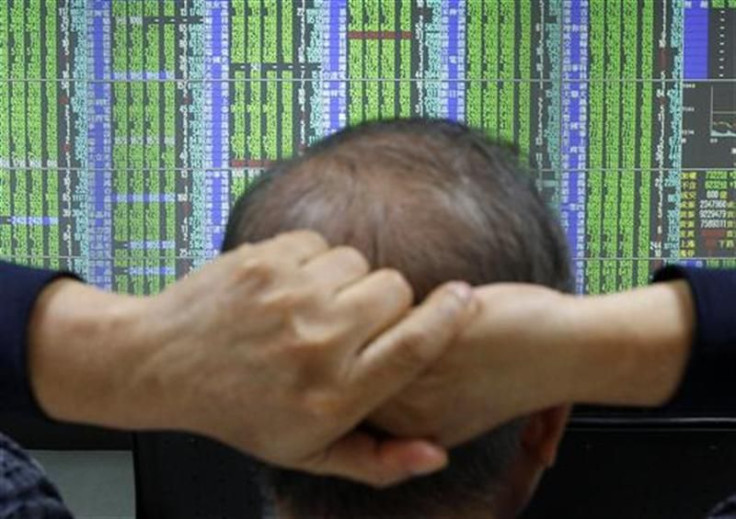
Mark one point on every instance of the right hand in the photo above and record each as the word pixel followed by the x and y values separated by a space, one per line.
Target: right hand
pixel 281 348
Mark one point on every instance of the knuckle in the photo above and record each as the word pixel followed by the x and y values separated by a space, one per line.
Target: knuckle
pixel 353 258
pixel 307 236
pixel 307 333
pixel 282 301
pixel 292 350
pixel 302 324
pixel 323 341
pixel 291 303
pixel 256 271
pixel 451 304
pixel 314 337
pixel 324 404
pixel 294 290
pixel 360 309
pixel 410 351
pixel 397 283
pixel 311 300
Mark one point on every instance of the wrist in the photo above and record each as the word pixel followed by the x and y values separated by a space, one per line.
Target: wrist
pixel 576 352
pixel 603 353
pixel 82 342
pixel 634 345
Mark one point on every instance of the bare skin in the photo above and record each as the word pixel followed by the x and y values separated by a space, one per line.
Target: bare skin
pixel 531 348
pixel 278 349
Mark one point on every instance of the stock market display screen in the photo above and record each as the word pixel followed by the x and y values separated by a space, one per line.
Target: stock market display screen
pixel 128 127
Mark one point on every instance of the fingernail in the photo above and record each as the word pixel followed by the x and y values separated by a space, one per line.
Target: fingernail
pixel 462 291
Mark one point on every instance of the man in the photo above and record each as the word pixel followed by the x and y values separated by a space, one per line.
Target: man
pixel 436 201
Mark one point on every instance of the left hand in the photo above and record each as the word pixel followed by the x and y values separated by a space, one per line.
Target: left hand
pixel 529 348
pixel 509 361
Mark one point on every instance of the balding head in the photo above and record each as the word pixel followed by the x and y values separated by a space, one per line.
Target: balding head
pixel 431 198
pixel 438 202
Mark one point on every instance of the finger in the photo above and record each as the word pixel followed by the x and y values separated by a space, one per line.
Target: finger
pixel 373 304
pixel 336 268
pixel 397 357
pixel 296 247
pixel 380 463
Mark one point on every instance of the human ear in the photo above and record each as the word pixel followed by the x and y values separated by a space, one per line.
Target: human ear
pixel 543 432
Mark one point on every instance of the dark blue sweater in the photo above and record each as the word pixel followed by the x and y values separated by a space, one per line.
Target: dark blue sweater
pixel 19 288
pixel 707 387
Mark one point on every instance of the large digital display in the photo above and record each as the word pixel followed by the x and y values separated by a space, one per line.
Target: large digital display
pixel 128 127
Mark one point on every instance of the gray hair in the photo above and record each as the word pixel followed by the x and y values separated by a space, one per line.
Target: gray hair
pixel 437 201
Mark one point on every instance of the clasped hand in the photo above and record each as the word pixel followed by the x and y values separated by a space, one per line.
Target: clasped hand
pixel 292 353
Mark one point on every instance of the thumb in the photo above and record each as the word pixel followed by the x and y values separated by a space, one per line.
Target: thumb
pixel 398 356
pixel 361 457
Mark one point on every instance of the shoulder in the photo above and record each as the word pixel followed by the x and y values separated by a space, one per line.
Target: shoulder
pixel 725 510
pixel 25 490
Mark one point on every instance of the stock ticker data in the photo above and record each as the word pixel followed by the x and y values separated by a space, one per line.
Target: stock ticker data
pixel 127 128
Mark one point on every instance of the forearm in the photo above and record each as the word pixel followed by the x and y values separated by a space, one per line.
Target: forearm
pixel 81 343
pixel 530 348
pixel 634 345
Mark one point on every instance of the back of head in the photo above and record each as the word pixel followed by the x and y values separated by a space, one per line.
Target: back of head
pixel 439 202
